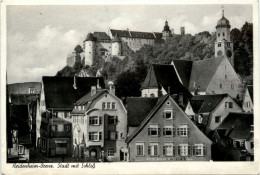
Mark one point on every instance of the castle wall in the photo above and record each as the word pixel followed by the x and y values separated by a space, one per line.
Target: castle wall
pixel 136 43
pixel 89 52
pixel 103 45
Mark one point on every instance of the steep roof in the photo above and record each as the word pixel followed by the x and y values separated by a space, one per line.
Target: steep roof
pixel 251 91
pixel 89 37
pixel 23 88
pixel 88 97
pixel 164 75
pixel 136 34
pixel 60 93
pixel 101 36
pixel 199 73
pixel 138 108
pixel 116 39
pixel 238 124
pixel 210 102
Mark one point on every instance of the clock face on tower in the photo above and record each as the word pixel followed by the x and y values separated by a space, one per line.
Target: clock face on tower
pixel 229 53
pixel 219 53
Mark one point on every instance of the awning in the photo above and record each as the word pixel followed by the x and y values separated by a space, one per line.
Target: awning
pixel 60 141
pixel 125 150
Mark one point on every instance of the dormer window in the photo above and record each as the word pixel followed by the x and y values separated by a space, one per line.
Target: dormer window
pixel 31 90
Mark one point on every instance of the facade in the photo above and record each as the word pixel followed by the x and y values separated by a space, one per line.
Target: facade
pixel 223 44
pixel 209 111
pixel 99 127
pixel 167 134
pixel 54 129
pixel 162 79
pixel 248 98
pixel 234 138
pixel 210 76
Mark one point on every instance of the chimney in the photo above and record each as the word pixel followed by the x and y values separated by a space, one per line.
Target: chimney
pixel 98 85
pixel 75 83
pixel 93 90
pixel 111 87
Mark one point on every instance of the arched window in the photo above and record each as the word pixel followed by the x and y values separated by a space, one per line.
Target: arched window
pixel 152 95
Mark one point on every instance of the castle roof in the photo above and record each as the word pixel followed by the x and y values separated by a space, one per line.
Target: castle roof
pixel 101 36
pixel 134 34
pixel 116 39
pixel 223 22
pixel 89 37
pixel 60 93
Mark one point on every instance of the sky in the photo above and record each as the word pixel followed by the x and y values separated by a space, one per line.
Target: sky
pixel 39 38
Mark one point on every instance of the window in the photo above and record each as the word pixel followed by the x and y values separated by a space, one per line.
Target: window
pixel 200 119
pixel 95 136
pixel 168 131
pixel 225 76
pixel 95 120
pixel 153 149
pixel 21 149
pixel 108 105
pixel 140 149
pixel 169 149
pixel 67 115
pixel 252 145
pixel 183 130
pixel 113 120
pixel 153 130
pixel 219 44
pixel 217 119
pixel 248 104
pixel 218 34
pixel 67 127
pixel 113 105
pixel 168 114
pixel 183 150
pixel 152 95
pixel 122 135
pixel 223 34
pixel 111 152
pixel 220 85
pixel 232 86
pixel 31 90
pixel 199 150
pixel 228 104
pixel 113 135
pixel 103 105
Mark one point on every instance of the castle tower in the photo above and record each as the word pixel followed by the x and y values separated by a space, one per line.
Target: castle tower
pixel 182 31
pixel 166 31
pixel 89 47
pixel 223 44
pixel 116 46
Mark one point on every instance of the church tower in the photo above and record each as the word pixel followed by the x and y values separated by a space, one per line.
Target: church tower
pixel 223 44
pixel 89 48
pixel 166 31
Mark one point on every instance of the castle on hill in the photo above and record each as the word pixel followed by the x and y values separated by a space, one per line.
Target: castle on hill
pixel 111 44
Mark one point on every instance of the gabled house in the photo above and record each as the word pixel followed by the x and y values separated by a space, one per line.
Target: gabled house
pixel 248 99
pixel 99 122
pixel 167 134
pixel 234 138
pixel 208 111
pixel 162 79
pixel 54 126
pixel 210 76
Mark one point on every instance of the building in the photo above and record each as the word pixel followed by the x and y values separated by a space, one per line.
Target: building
pixel 223 44
pixel 58 95
pixel 99 127
pixel 234 138
pixel 209 111
pixel 162 79
pixel 210 76
pixel 167 134
pixel 248 99
pixel 182 31
pixel 20 131
pixel 166 33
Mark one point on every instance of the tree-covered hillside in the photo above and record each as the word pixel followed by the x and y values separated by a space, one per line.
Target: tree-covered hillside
pixel 129 73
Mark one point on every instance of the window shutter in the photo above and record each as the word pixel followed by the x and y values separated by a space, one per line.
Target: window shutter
pixel 164 150
pixel 179 150
pixel 116 119
pixel 90 121
pixel 149 150
pixel 149 131
pixel 89 137
pixel 204 150
pixel 178 131
pixel 159 132
pixel 164 131
pixel 194 150
pixel 116 135
pixel 173 150
pixel 100 135
pixel 189 150
pixel 100 120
